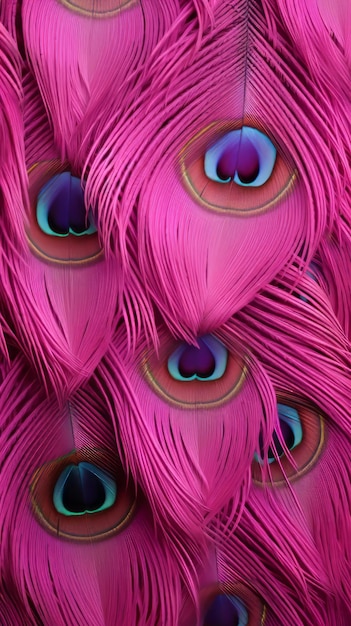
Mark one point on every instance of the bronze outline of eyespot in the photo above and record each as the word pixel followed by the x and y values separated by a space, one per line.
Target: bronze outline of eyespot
pixel 69 250
pixel 226 196
pixel 304 454
pixel 87 526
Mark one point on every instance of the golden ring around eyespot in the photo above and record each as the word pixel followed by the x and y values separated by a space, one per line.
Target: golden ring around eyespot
pixel 45 257
pixel 97 14
pixel 52 470
pixel 47 169
pixel 291 474
pixel 188 405
pixel 243 212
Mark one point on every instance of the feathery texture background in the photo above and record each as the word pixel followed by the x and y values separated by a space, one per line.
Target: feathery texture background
pixel 175 297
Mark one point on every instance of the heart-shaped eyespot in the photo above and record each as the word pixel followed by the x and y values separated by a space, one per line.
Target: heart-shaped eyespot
pixel 84 488
pixel 245 156
pixel 231 167
pixel 60 230
pixel 296 443
pixel 206 361
pixel 83 496
pixel 61 208
pixel 202 375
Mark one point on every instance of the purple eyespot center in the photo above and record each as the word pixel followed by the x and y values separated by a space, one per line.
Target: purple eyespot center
pixel 205 362
pixel 61 208
pixel 242 159
pixel 197 361
pixel 226 611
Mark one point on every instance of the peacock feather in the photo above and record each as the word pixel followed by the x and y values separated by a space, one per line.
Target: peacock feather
pixel 175 297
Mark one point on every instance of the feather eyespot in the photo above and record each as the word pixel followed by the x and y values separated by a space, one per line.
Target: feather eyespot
pixel 296 444
pixel 61 210
pixel 84 488
pixel 235 169
pixel 60 229
pixel 207 361
pixel 83 496
pixel 232 605
pixel 290 432
pixel 203 375
pixel 227 610
pixel 244 156
pixel 97 8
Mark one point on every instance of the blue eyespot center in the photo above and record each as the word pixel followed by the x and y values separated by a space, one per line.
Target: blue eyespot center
pixel 206 362
pixel 245 156
pixel 61 209
pixel 291 433
pixel 227 610
pixel 84 488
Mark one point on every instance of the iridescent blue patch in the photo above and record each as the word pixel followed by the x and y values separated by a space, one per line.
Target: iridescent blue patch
pixel 84 488
pixel 291 433
pixel 206 362
pixel 227 610
pixel 245 156
pixel 61 209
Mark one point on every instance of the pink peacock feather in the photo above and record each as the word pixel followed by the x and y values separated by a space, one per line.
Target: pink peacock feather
pixel 175 300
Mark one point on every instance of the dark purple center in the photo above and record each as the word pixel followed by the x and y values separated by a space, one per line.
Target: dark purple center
pixel 288 437
pixel 222 612
pixel 63 200
pixel 197 361
pixel 241 157
pixel 83 490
